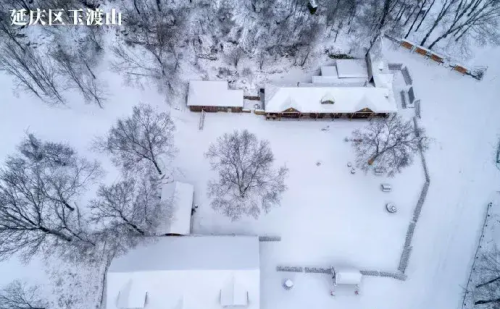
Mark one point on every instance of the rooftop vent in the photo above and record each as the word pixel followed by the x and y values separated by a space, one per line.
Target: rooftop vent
pixel 328 99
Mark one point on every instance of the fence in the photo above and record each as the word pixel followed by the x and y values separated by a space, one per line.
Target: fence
pixel 475 72
pixel 407 247
pixel 467 292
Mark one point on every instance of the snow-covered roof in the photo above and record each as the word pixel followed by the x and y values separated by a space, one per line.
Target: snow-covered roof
pixel 330 70
pixel 382 77
pixel 177 197
pixel 347 276
pixel 188 272
pixel 352 68
pixel 213 93
pixel 347 99
pixel 335 81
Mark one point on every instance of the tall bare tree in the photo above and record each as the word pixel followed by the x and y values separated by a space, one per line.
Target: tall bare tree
pixel 486 278
pixel 247 184
pixel 38 210
pixel 473 16
pixel 19 295
pixel 31 72
pixel 62 175
pixel 79 75
pixel 146 136
pixel 390 144
pixel 131 206
pixel 152 45
pixel 446 8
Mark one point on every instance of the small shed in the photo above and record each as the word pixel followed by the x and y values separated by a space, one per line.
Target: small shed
pixel 177 198
pixel 352 68
pixel 213 96
pixel 346 278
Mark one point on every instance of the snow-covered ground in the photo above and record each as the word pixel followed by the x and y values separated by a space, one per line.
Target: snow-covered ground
pixel 328 216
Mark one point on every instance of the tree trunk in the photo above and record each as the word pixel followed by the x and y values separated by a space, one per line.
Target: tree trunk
pixel 157 167
pixel 136 8
pixel 68 205
pixel 425 15
pixel 135 227
pixel 411 14
pixel 487 282
pixel 415 20
pixel 55 233
pixel 462 34
pixel 482 302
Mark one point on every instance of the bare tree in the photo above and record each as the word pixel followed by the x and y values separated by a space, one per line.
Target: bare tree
pixel 390 144
pixel 19 295
pixel 144 137
pixel 446 6
pixel 38 210
pixel 472 15
pixel 62 175
pixel 247 183
pixel 79 75
pixel 154 40
pixel 130 206
pixel 486 279
pixel 31 72
pixel 235 56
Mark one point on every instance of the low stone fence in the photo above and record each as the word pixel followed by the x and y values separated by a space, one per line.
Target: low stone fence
pixel 407 247
pixel 269 238
pixel 328 271
pixel 475 72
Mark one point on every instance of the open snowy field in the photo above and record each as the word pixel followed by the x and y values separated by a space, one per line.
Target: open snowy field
pixel 328 216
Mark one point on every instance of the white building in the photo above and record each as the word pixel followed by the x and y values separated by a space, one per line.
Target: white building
pixel 177 199
pixel 335 102
pixel 191 272
pixel 213 96
pixel 352 88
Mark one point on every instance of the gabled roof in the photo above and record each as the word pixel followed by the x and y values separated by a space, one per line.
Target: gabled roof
pixel 347 99
pixel 213 93
pixel 191 253
pixel 189 272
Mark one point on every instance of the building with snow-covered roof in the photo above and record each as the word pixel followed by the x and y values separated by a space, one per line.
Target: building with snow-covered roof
pixel 333 102
pixel 213 96
pixel 190 272
pixel 351 88
pixel 351 68
pixel 177 198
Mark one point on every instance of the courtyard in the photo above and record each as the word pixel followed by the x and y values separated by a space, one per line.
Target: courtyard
pixel 328 216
